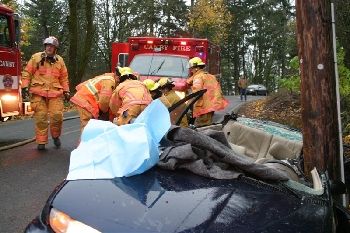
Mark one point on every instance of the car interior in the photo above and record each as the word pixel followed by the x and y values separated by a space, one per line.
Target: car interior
pixel 264 148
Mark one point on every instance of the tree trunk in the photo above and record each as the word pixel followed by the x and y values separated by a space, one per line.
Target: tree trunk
pixel 88 38
pixel 318 93
pixel 168 18
pixel 235 64
pixel 152 18
pixel 73 43
pixel 78 61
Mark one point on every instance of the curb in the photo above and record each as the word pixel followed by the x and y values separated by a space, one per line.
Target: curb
pixel 17 144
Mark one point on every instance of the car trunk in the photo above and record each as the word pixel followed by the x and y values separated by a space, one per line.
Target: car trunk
pixel 166 201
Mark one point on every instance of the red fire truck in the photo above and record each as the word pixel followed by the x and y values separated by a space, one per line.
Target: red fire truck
pixel 153 58
pixel 10 65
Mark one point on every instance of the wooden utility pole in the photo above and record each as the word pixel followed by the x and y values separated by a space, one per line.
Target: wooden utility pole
pixel 318 93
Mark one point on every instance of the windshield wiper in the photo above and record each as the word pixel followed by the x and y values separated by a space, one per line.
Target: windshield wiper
pixel 159 67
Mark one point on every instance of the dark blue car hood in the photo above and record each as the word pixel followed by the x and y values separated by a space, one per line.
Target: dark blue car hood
pixel 165 201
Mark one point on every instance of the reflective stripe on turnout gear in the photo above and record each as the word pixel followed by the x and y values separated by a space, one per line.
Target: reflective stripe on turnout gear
pixel 212 100
pixel 91 84
pixel 45 108
pixel 127 94
pixel 95 93
pixel 45 79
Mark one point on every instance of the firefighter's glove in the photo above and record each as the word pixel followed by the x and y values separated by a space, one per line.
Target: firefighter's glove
pixel 66 95
pixel 25 94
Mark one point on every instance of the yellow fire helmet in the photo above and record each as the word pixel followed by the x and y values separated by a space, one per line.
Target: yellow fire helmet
pixel 150 84
pixel 165 81
pixel 196 61
pixel 126 71
pixel 118 70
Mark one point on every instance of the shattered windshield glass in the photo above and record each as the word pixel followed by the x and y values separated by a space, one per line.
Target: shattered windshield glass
pixel 272 128
pixel 160 65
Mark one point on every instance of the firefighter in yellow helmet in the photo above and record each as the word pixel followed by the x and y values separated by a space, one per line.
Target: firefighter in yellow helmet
pixel 153 88
pixel 130 98
pixel 166 87
pixel 46 78
pixel 212 100
pixel 93 96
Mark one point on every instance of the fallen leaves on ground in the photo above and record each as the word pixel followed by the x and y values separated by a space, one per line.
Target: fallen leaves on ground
pixel 283 108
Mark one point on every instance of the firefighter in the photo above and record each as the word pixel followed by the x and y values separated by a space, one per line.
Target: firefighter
pixel 46 78
pixel 166 87
pixel 129 99
pixel 212 100
pixel 93 96
pixel 153 88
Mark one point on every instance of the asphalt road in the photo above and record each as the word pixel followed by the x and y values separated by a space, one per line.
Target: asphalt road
pixel 14 131
pixel 28 176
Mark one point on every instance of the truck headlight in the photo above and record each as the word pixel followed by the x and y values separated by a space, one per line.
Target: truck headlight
pixel 8 98
pixel 62 223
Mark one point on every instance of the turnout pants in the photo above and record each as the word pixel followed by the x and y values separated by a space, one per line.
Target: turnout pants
pixel 47 109
pixel 85 116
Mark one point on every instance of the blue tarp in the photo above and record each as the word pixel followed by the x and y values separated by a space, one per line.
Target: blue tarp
pixel 107 150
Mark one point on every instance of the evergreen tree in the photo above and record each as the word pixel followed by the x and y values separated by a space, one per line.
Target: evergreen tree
pixel 43 18
pixel 174 17
pixel 342 13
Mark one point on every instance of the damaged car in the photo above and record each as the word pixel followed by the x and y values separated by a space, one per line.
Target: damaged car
pixel 228 177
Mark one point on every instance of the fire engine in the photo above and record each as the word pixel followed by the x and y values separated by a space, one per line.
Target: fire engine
pixel 152 58
pixel 10 65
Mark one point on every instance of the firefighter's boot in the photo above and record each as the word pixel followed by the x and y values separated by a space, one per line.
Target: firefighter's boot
pixel 41 146
pixel 57 142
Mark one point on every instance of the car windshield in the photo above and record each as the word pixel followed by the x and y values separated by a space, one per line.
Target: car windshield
pixel 160 65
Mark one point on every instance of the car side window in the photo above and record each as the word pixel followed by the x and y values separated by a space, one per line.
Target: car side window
pixel 4 31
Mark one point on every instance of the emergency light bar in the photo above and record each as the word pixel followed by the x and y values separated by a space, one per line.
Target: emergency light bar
pixel 134 46
pixel 165 42
pixel 199 48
